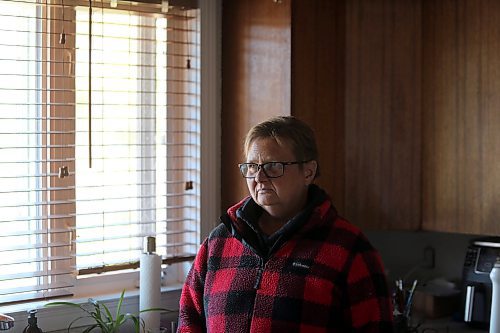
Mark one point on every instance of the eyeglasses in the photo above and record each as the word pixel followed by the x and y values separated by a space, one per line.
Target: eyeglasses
pixel 271 169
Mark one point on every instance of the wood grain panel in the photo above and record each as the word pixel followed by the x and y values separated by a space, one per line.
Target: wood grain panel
pixel 383 113
pixel 256 52
pixel 318 84
pixel 461 99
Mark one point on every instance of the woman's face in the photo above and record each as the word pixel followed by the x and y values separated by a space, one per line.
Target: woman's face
pixel 285 196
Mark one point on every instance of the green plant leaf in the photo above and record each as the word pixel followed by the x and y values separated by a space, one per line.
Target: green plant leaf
pixel 75 305
pixel 97 309
pixel 143 324
pixel 156 309
pixel 120 301
pixel 63 303
pixel 99 320
pixel 109 316
pixel 110 327
pixel 137 323
pixel 90 328
pixel 75 320
pixel 120 320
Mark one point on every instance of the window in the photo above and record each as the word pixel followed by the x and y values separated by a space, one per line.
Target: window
pixel 97 149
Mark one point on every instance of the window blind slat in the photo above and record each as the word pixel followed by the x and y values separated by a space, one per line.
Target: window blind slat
pixel 8 233
pixel 31 246
pixel 158 222
pixel 137 249
pixel 135 237
pixel 35 295
pixel 34 288
pixel 33 274
pixel 70 202
pixel 34 259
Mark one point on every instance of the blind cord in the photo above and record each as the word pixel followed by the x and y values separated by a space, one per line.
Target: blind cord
pixel 90 84
pixel 62 36
pixel 63 170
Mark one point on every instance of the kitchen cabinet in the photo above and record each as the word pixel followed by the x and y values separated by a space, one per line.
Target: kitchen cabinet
pixel 461 113
pixel 382 114
pixel 318 85
pixel 356 79
pixel 403 97
pixel 255 79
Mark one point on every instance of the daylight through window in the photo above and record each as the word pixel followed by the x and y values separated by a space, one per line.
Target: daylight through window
pixel 97 149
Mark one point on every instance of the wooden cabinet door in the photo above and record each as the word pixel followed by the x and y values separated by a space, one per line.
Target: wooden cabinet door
pixel 383 114
pixel 461 115
pixel 256 50
pixel 318 85
pixel 356 80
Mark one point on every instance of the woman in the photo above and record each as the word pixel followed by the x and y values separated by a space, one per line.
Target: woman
pixel 282 260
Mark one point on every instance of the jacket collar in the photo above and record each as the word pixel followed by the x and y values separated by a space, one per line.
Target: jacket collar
pixel 241 219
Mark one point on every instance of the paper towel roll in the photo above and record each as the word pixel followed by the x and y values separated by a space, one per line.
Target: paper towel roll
pixel 150 290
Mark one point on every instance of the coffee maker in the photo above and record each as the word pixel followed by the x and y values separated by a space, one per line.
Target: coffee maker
pixel 476 283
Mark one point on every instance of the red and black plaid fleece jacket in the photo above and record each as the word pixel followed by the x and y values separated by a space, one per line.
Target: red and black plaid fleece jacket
pixel 319 274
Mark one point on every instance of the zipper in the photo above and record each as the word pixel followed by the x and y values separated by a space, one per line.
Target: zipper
pixel 260 272
pixel 256 286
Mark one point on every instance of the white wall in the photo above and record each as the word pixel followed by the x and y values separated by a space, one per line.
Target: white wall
pixel 402 252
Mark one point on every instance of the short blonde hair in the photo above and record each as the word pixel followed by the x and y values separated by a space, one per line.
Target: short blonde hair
pixel 289 130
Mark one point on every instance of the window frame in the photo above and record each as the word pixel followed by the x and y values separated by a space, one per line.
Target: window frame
pixel 210 162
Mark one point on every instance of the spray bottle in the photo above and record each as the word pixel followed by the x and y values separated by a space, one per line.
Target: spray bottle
pixel 32 323
pixel 495 298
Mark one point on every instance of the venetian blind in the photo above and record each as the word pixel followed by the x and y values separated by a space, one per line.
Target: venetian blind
pixel 99 140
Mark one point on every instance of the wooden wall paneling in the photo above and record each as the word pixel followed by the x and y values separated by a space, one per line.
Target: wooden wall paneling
pixel 318 84
pixel 489 133
pixel 383 113
pixel 256 51
pixel 461 80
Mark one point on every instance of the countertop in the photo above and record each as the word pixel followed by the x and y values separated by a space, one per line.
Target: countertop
pixel 447 325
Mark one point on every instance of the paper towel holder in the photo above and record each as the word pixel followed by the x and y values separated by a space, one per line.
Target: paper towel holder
pixel 149 245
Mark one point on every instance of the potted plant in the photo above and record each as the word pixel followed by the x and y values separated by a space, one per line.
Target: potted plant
pixel 104 321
